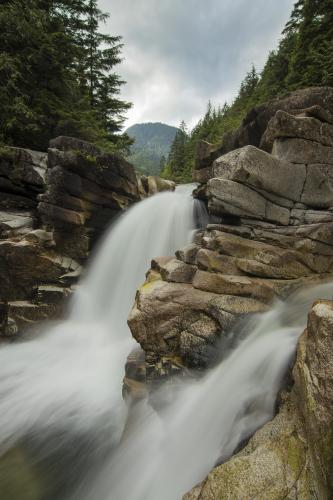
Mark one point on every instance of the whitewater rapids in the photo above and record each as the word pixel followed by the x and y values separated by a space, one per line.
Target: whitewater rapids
pixel 60 392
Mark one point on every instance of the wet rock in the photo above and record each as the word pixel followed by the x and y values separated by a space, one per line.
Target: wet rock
pixel 152 184
pixel 158 262
pixel 149 185
pixel 40 237
pixel 163 310
pixel 23 265
pixel 52 294
pixel 197 352
pixel 19 478
pixel 134 383
pixel 290 456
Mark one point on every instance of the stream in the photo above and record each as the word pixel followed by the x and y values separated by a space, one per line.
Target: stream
pixel 61 406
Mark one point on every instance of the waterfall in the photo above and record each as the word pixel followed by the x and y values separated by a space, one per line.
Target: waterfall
pixel 67 380
pixel 60 392
pixel 165 455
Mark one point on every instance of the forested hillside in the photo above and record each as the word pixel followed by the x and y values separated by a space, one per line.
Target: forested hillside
pixel 151 147
pixel 57 74
pixel 303 58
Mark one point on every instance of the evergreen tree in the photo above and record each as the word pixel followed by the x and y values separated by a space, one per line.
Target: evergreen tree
pixel 312 60
pixel 162 163
pixel 56 74
pixel 102 53
pixel 176 158
pixel 34 70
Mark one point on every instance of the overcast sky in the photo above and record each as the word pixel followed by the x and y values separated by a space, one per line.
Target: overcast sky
pixel 178 54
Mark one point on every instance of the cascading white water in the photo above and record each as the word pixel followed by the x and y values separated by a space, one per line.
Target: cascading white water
pixel 164 456
pixel 65 385
pixel 70 376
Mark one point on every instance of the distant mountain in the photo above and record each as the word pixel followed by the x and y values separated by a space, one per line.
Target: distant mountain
pixel 152 142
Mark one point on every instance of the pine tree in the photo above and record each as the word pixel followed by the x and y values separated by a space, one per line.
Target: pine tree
pixel 35 61
pixel 162 163
pixel 56 73
pixel 102 53
pixel 313 56
pixel 177 155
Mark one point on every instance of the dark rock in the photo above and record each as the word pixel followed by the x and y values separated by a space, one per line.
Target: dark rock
pixel 85 190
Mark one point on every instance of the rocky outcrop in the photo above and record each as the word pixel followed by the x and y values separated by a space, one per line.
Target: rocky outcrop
pixel 85 189
pixel 152 184
pixel 314 102
pixel 291 456
pixel 53 208
pixel 274 235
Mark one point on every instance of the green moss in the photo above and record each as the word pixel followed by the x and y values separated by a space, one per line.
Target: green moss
pixel 91 160
pixel 149 285
pixel 295 454
pixel 18 478
pixel 7 153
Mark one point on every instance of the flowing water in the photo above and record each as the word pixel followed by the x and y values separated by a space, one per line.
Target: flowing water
pixel 60 393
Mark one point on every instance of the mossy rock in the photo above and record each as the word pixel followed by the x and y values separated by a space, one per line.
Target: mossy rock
pixel 19 480
pixel 7 153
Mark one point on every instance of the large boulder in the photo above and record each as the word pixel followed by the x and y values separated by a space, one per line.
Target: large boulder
pixel 313 101
pixel 291 186
pixel 283 124
pixel 152 184
pixel 179 325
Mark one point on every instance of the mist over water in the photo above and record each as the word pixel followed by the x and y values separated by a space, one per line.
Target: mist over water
pixel 60 393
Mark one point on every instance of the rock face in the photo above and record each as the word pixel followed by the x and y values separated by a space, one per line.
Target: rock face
pixel 85 190
pixel 291 456
pixel 272 199
pixel 275 235
pixel 53 207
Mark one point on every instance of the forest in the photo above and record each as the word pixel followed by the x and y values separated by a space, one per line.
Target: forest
pixel 57 75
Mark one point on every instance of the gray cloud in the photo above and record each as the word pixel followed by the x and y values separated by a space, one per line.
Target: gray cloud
pixel 178 54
